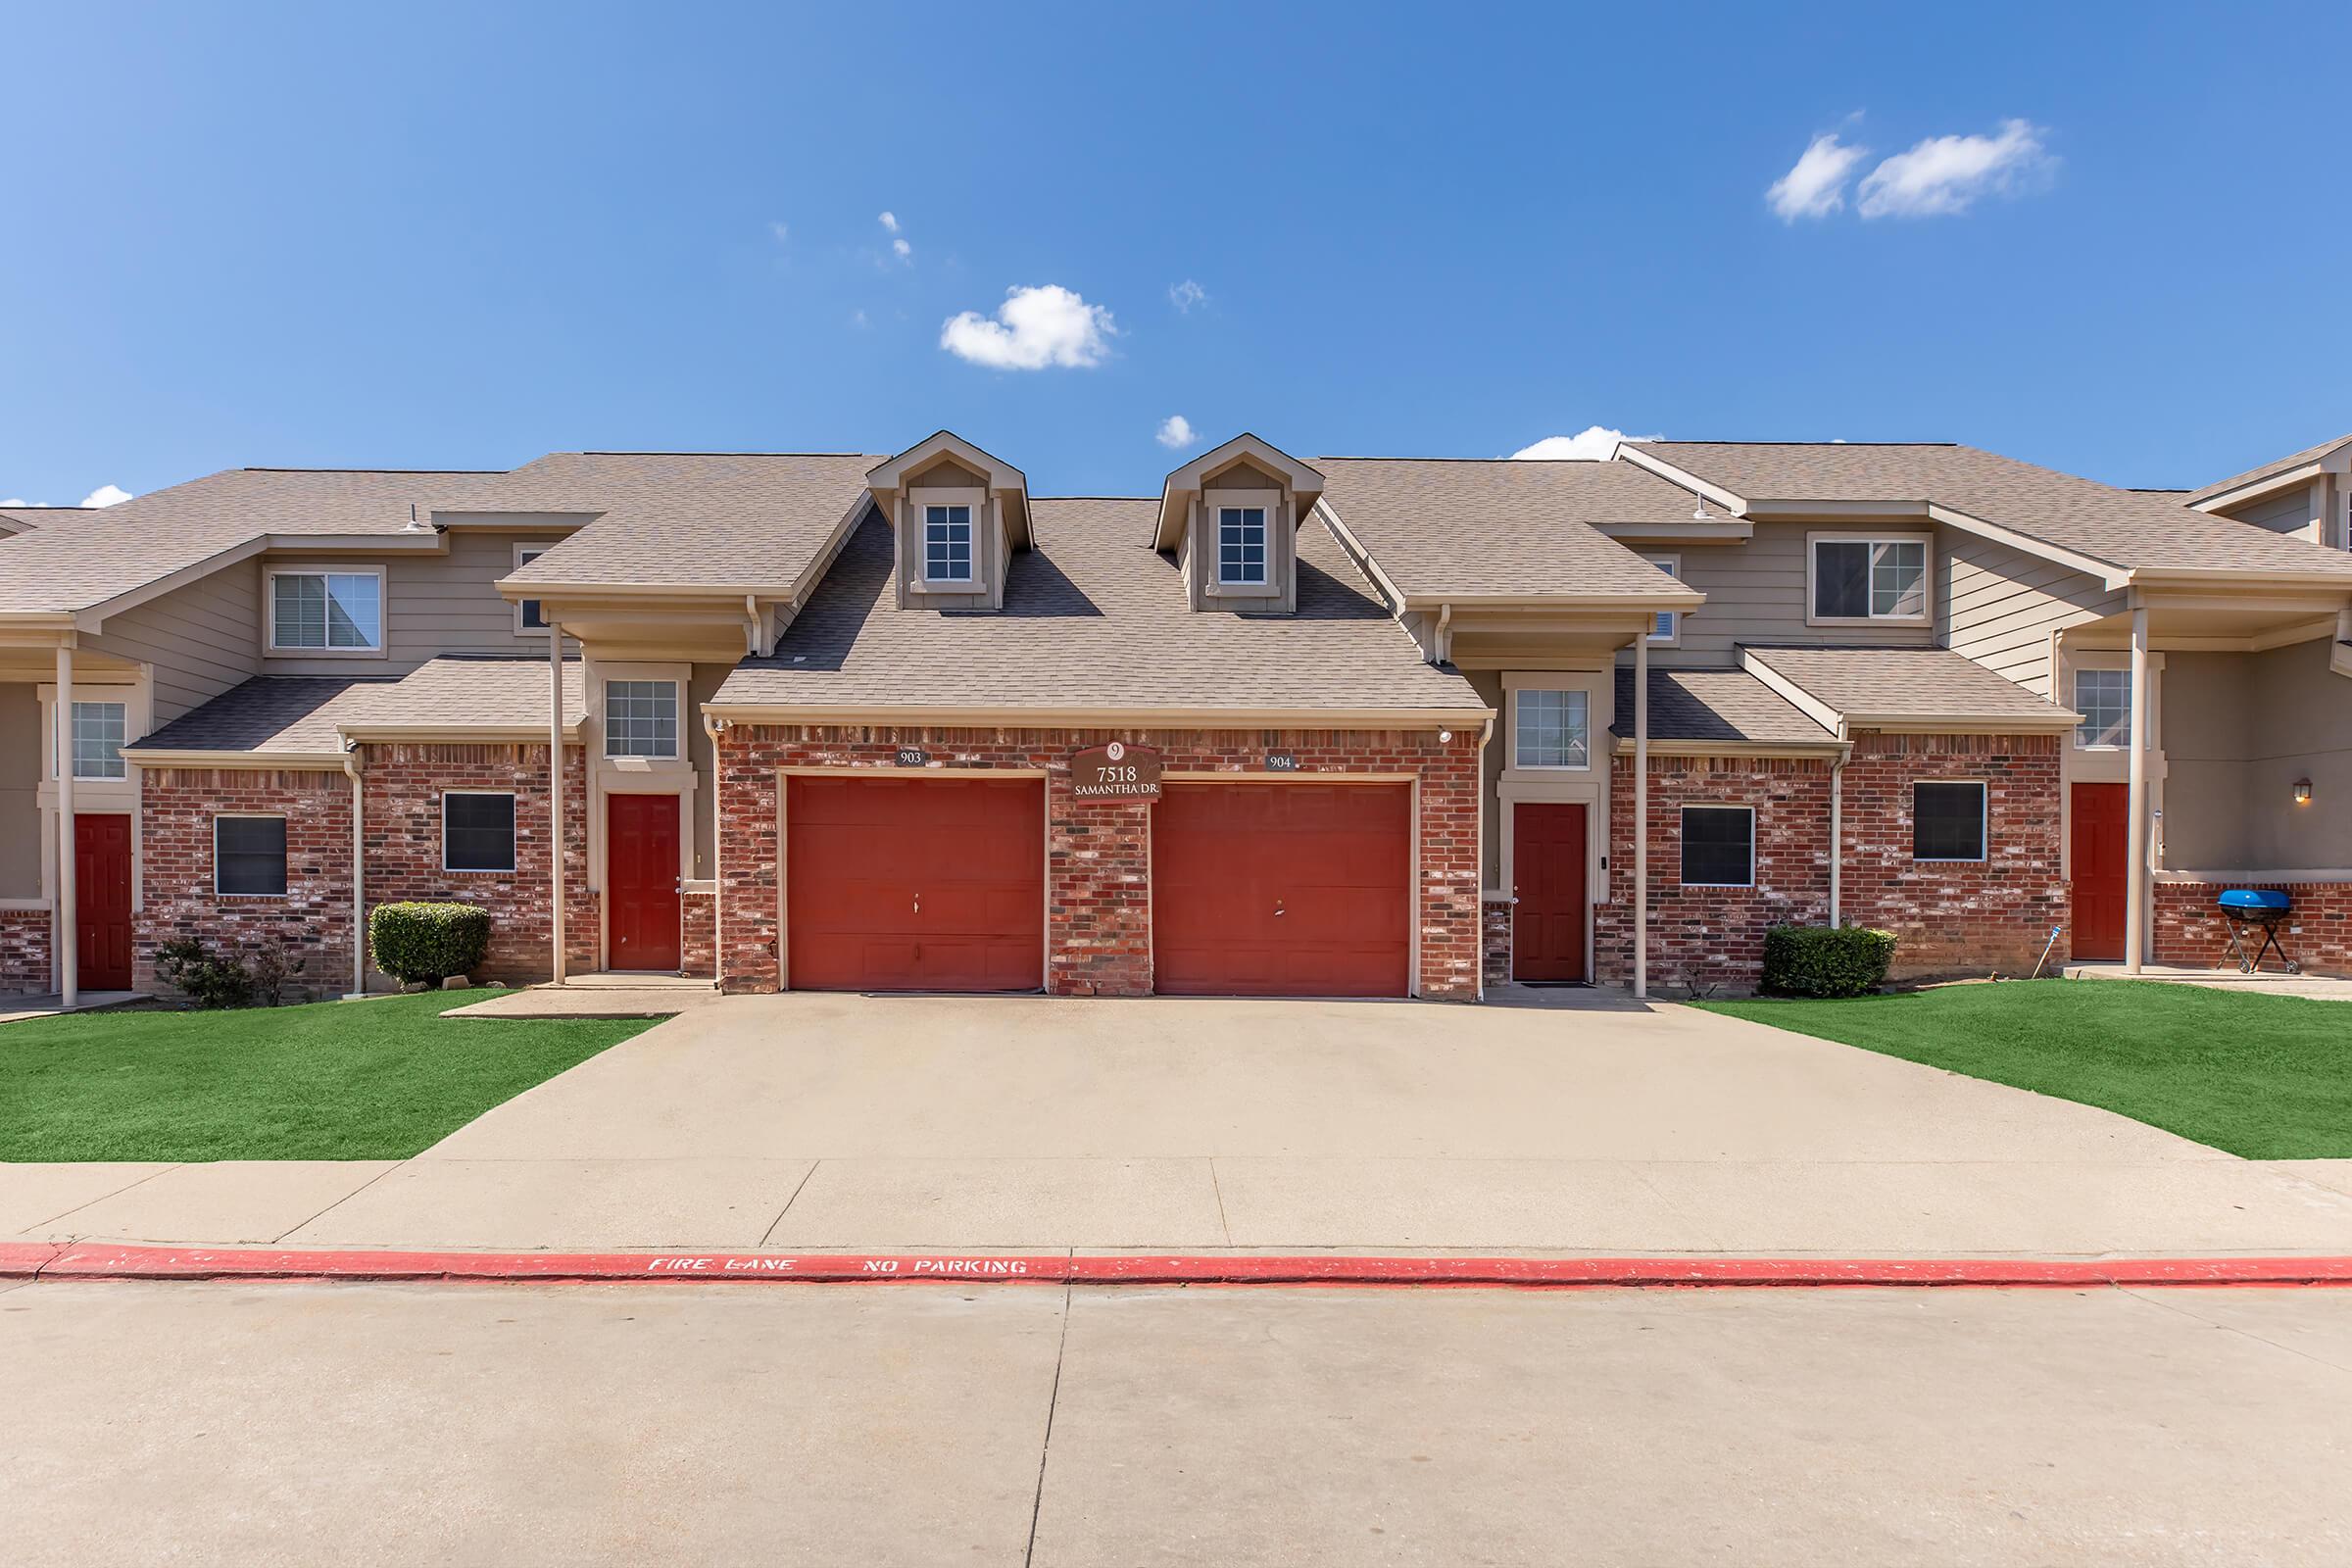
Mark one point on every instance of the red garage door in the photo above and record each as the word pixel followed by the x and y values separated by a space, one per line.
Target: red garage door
pixel 914 884
pixel 1282 890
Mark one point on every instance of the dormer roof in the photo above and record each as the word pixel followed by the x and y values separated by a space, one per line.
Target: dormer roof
pixel 1305 483
pixel 887 477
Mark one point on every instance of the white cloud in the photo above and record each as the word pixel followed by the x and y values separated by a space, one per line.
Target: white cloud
pixel 1593 445
pixel 1176 432
pixel 903 250
pixel 106 495
pixel 782 233
pixel 16 500
pixel 1035 327
pixel 889 220
pixel 1187 294
pixel 1945 174
pixel 1816 186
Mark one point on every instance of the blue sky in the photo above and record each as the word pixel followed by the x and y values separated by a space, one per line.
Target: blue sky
pixel 420 236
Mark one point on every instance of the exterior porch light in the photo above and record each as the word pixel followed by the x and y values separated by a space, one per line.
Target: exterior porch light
pixel 2302 792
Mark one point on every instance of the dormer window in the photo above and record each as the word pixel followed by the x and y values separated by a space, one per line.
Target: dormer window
pixel 947 544
pixel 1242 544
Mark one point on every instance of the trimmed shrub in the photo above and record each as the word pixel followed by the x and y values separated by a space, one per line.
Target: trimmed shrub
pixel 206 979
pixel 427 943
pixel 1825 960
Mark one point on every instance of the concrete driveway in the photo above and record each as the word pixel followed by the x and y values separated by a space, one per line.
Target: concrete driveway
pixel 1590 1124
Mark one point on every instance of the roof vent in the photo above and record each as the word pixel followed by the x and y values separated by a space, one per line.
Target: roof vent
pixel 415 524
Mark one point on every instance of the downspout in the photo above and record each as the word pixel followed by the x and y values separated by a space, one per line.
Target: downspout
pixel 719 840
pixel 359 889
pixel 1444 640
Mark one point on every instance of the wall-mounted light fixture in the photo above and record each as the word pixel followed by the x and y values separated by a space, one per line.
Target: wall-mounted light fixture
pixel 2302 792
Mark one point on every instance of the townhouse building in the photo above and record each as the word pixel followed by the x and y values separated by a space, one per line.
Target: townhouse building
pixel 1342 727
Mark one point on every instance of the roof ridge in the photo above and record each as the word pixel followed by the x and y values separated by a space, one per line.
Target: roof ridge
pixel 688 452
pixel 261 468
pixel 1682 441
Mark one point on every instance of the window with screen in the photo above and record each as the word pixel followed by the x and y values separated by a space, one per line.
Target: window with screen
pixel 249 857
pixel 478 832
pixel 97 740
pixel 948 544
pixel 641 719
pixel 326 611
pixel 1551 729
pixel 1870 579
pixel 2103 697
pixel 1947 821
pixel 1242 544
pixel 1719 847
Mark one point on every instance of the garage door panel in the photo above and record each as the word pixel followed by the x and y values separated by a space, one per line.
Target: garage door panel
pixel 914 884
pixel 1333 859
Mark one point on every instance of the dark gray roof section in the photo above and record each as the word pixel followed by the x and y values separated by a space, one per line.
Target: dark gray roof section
pixel 2292 460
pixel 267 713
pixel 1728 706
pixel 1913 683
pixel 1469 527
pixel 2122 528
pixel 300 714
pixel 1093 619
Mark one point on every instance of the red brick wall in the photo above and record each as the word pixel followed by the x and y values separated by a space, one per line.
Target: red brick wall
pixel 1498 919
pixel 2190 930
pixel 402 825
pixel 23 952
pixel 1097 892
pixel 312 924
pixel 700 956
pixel 1706 936
pixel 1969 917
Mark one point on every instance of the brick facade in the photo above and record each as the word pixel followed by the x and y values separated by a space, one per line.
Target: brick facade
pixel 1957 918
pixel 2191 931
pixel 24 952
pixel 699 954
pixel 1713 937
pixel 1098 887
pixel 311 924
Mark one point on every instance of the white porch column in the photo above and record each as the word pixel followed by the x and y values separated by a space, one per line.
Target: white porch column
pixel 66 959
pixel 1836 841
pixel 358 873
pixel 554 791
pixel 1642 816
pixel 2135 868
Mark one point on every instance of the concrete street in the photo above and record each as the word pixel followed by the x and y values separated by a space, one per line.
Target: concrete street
pixel 1583 1123
pixel 1011 1425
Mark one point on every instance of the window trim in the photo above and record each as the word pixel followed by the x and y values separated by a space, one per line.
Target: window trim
pixel 677 698
pixel 513 837
pixel 1682 839
pixel 271 647
pixel 1216 544
pixel 1983 853
pixel 1578 689
pixel 1872 536
pixel 1671 565
pixel 971 523
pixel 524 553
pixel 2075 701
pixel 285 868
pixel 73 757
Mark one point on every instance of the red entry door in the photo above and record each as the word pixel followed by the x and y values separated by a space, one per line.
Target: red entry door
pixel 641 886
pixel 2102 850
pixel 1548 870
pixel 1282 890
pixel 102 901
pixel 898 882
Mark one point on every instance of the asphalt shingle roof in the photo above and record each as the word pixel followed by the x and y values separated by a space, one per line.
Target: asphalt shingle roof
pixel 301 712
pixel 1910 682
pixel 1092 618
pixel 1439 526
pixel 2121 527
pixel 1715 705
pixel 2294 460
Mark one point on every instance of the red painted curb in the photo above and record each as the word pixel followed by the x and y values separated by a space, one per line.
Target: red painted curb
pixel 102 1262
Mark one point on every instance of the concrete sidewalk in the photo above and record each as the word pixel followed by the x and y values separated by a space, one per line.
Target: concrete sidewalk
pixel 852 1123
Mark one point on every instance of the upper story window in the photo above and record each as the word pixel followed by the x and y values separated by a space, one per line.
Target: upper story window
pixel 1669 627
pixel 947 544
pixel 641 719
pixel 2103 697
pixel 98 740
pixel 1551 729
pixel 1242 544
pixel 527 614
pixel 327 611
pixel 1861 578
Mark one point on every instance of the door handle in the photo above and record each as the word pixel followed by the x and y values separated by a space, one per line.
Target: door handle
pixel 918 903
pixel 1278 910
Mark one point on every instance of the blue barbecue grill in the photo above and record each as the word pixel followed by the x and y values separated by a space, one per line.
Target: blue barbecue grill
pixel 2257 908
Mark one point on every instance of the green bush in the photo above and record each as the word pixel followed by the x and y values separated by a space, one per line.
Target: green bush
pixel 1825 960
pixel 210 979
pixel 426 942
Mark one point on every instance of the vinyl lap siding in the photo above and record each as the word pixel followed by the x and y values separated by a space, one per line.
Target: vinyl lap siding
pixel 441 604
pixel 1999 606
pixel 200 639
pixel 1757 594
pixel 2291 512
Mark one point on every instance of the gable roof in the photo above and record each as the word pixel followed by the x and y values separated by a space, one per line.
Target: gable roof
pixel 2121 529
pixel 1889 688
pixel 1445 528
pixel 1093 622
pixel 1183 483
pixel 2270 474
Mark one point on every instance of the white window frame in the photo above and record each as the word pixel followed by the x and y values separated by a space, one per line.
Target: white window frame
pixel 272 648
pixel 1984 824
pixel 1217 542
pixel 1671 567
pixel 524 555
pixel 1926 576
pixel 972 524
pixel 513 837
pixel 72 755
pixel 677 698
pixel 1565 689
pixel 1682 832
pixel 2074 696
pixel 285 870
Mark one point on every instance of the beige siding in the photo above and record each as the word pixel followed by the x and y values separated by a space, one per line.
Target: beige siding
pixel 1488 683
pixel 2240 729
pixel 202 639
pixel 2296 512
pixel 1999 606
pixel 20 785
pixel 438 604
pixel 1757 594
pixel 701 685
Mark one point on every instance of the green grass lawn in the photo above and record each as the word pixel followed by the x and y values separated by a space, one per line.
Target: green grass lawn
pixel 2263 1077
pixel 353 1080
